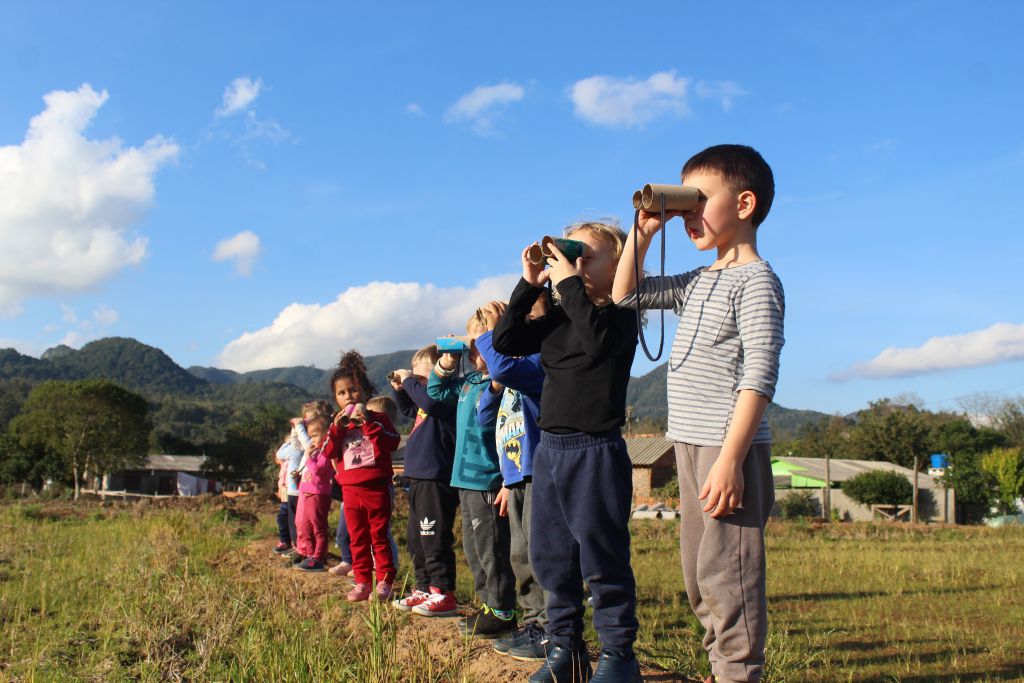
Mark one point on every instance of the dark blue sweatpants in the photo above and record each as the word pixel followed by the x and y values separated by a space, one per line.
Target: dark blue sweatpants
pixel 582 496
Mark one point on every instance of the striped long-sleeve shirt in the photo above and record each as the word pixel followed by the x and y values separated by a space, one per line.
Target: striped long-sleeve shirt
pixel 729 338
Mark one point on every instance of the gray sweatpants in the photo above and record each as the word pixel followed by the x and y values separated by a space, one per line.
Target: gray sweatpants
pixel 528 591
pixel 724 564
pixel 485 538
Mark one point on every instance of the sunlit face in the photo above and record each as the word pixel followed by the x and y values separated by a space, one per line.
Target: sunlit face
pixel 599 264
pixel 715 220
pixel 316 433
pixel 347 393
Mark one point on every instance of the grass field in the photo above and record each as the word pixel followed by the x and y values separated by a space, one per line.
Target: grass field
pixel 189 592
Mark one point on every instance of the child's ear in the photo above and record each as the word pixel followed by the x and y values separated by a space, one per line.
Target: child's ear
pixel 746 202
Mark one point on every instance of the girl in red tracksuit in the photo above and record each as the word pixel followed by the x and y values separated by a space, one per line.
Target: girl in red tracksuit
pixel 361 441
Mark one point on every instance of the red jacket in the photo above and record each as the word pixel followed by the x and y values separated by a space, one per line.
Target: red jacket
pixel 362 453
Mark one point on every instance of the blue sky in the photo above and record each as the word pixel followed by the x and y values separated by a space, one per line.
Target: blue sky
pixel 368 175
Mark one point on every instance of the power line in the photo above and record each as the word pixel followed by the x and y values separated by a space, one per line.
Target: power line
pixel 977 393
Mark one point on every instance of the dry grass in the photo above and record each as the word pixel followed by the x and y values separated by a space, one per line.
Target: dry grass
pixel 189 592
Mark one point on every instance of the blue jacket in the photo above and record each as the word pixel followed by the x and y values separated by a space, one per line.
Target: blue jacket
pixel 430 448
pixel 514 411
pixel 476 460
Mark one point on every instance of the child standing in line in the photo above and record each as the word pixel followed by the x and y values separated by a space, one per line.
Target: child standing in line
pixel 722 373
pixel 314 500
pixel 429 455
pixel 582 475
pixel 477 476
pixel 362 440
pixel 513 403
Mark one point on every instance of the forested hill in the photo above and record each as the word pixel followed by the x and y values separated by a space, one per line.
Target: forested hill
pixel 647 395
pixel 191 405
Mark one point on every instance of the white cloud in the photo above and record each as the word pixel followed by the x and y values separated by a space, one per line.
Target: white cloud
pixel 243 249
pixel 67 313
pixel 483 104
pixel 996 344
pixel 414 109
pixel 105 316
pixel 375 318
pixel 628 102
pixel 67 203
pixel 239 95
pixel 723 91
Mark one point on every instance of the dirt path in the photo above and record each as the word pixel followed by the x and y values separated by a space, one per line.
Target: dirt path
pixel 439 638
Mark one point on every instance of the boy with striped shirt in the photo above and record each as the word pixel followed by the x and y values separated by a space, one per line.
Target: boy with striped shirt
pixel 722 372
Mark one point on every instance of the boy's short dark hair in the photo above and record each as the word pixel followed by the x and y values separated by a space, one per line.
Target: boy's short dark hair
pixel 743 168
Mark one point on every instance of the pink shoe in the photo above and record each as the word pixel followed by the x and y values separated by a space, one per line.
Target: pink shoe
pixel 341 569
pixel 385 589
pixel 439 604
pixel 359 592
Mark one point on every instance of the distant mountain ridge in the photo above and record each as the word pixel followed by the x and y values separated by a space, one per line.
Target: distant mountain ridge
pixel 151 372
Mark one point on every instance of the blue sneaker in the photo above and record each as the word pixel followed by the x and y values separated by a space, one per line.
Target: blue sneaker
pixel 535 646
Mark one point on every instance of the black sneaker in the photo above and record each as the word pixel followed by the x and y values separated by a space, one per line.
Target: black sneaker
pixel 613 667
pixel 520 636
pixel 297 558
pixel 488 625
pixel 563 666
pixel 534 648
pixel 311 564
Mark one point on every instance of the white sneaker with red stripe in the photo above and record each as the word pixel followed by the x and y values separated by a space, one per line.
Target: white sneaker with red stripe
pixel 439 604
pixel 417 597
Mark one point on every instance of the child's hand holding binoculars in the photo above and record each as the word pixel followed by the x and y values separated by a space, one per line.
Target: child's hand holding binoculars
pixel 396 377
pixel 491 313
pixel 649 222
pixel 534 273
pixel 561 267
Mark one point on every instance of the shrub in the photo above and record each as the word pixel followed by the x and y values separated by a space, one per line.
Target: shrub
pixel 798 504
pixel 879 487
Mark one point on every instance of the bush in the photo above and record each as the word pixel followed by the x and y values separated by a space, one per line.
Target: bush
pixel 799 504
pixel 880 487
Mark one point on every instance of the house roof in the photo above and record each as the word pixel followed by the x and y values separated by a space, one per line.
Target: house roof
pixel 175 463
pixel 644 451
pixel 841 470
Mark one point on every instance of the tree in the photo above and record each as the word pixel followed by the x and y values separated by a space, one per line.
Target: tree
pixel 1009 419
pixel 960 436
pixel 1006 465
pixel 879 487
pixel 242 455
pixel 93 426
pixel 893 433
pixel 976 489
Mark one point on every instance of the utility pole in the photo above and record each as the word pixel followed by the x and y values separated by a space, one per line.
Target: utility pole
pixel 629 420
pixel 828 485
pixel 913 511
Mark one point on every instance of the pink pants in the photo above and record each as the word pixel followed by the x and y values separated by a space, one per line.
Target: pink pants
pixel 367 515
pixel 311 525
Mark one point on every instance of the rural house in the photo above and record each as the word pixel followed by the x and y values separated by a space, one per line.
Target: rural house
pixel 654 464
pixel 935 503
pixel 163 475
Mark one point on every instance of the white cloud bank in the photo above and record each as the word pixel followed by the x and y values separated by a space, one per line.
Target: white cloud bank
pixel 67 203
pixel 375 318
pixel 243 249
pixel 239 95
pixel 996 344
pixel 481 105
pixel 627 102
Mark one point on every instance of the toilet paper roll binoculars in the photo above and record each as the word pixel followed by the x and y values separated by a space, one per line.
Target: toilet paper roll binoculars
pixel 349 420
pixel 677 198
pixel 393 377
pixel 539 253
pixel 452 345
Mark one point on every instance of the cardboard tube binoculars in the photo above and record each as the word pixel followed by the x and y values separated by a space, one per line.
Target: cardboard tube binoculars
pixel 452 345
pixel 677 198
pixel 539 253
pixel 347 420
pixel 393 377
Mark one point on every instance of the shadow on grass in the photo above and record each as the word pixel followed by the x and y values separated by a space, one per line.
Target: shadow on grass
pixel 1012 673
pixel 860 595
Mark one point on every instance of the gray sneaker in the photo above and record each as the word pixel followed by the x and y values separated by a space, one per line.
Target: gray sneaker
pixel 534 648
pixel 520 636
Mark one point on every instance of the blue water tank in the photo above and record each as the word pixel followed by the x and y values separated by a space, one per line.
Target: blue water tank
pixel 940 461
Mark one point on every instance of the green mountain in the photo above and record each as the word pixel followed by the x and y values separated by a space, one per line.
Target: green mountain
pixel 196 405
pixel 647 396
